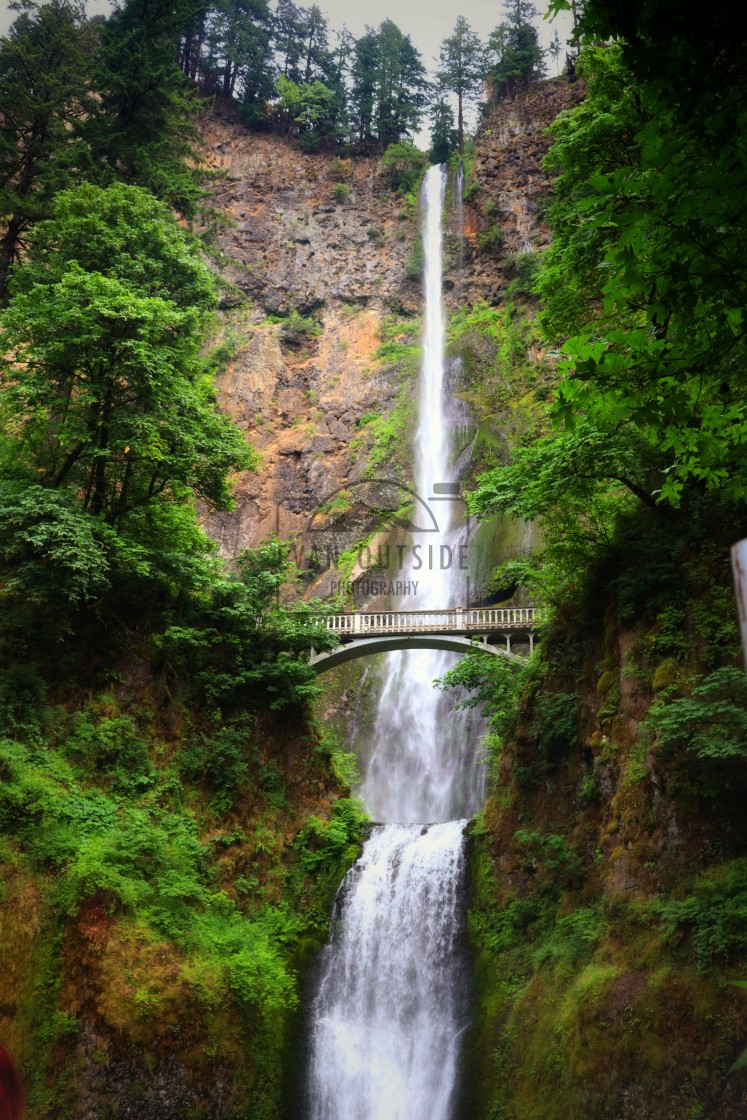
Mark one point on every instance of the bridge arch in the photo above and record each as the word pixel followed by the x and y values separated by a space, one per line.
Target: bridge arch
pixel 365 647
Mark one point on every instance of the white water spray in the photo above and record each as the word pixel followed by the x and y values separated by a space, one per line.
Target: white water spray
pixel 391 1003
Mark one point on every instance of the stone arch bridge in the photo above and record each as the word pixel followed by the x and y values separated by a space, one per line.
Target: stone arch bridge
pixel 362 633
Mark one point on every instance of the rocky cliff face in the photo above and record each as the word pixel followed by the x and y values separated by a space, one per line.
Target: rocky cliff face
pixel 507 190
pixel 315 250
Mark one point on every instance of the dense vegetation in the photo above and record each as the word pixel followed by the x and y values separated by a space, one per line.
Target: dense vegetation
pixel 608 913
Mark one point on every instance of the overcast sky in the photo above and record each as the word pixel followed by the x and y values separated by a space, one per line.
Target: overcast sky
pixel 426 21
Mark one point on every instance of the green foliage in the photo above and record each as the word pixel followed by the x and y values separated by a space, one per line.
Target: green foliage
pixel 653 309
pixel 714 916
pixel 405 164
pixel 444 136
pixel 525 268
pixel 516 57
pixel 555 718
pixel 494 685
pixel 711 722
pixel 340 170
pixel 112 749
pixel 416 260
pixel 461 70
pixel 108 401
pixel 219 759
pixel 298 328
pixel 22 702
pixel 140 129
pixel 341 192
pixel 305 109
pixel 551 859
pixel 240 640
pixel 490 240
pixel 43 67
pixel 51 552
pixel 326 843
pixel 389 85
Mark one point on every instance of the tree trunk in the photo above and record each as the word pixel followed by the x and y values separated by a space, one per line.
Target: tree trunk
pixel 8 247
pixel 460 124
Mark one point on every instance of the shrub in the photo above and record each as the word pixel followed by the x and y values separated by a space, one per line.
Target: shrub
pixel 341 192
pixel 550 856
pixel 714 915
pixel 416 260
pixel 491 239
pixel 405 164
pixel 218 760
pixel 340 170
pixel 711 722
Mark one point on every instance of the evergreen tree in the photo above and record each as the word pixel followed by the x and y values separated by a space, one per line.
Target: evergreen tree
pixel 365 71
pixel 462 70
pixel 239 49
pixel 389 85
pixel 444 136
pixel 555 49
pixel 316 59
pixel 288 39
pixel 517 57
pixel 401 85
pixel 140 129
pixel 43 68
pixel 193 40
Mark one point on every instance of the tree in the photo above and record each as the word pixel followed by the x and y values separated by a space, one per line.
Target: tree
pixel 405 164
pixel 44 62
pixel 462 70
pixel 239 51
pixel 649 223
pixel 140 129
pixel 288 39
pixel 389 85
pixel 365 71
pixel 316 58
pixel 555 49
pixel 305 110
pixel 105 396
pixel 517 57
pixel 401 85
pixel 444 136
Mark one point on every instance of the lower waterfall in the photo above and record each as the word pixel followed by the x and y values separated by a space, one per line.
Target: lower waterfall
pixel 390 1008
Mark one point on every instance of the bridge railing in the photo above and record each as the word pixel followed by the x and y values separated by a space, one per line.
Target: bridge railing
pixel 462 619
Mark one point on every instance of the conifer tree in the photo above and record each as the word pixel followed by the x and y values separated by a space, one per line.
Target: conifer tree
pixel 444 137
pixel 288 39
pixel 515 51
pixel 462 70
pixel 140 129
pixel 365 71
pixel 44 62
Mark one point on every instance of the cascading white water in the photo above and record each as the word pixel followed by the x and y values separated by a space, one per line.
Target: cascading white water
pixel 391 1006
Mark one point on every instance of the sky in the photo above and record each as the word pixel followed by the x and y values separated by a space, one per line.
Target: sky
pixel 428 22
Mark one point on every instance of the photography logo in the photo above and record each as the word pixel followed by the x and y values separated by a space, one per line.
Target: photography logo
pixel 406 538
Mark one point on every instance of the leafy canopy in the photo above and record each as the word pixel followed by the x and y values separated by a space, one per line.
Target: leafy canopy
pixel 105 393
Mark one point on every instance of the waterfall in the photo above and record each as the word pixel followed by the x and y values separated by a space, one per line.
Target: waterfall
pixel 390 1006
